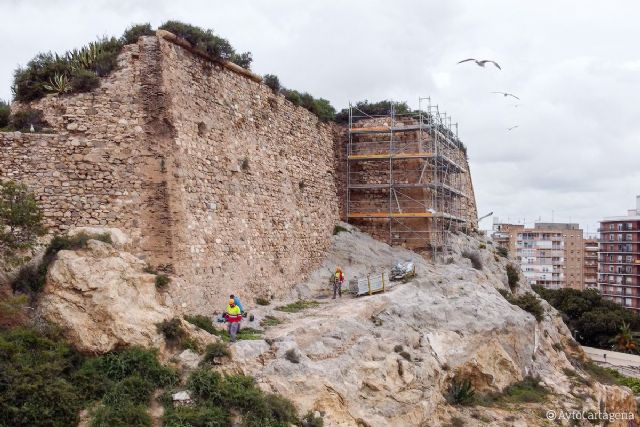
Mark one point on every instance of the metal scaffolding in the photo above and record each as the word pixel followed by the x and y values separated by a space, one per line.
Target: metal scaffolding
pixel 404 176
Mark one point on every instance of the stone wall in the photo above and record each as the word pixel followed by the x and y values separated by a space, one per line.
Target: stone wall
pixel 256 179
pixel 211 173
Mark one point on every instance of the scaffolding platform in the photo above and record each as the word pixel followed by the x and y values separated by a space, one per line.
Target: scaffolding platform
pixel 404 176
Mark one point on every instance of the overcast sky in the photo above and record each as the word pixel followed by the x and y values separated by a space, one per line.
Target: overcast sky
pixel 574 64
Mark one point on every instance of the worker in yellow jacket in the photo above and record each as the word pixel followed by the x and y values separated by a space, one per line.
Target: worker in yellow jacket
pixel 338 279
pixel 234 317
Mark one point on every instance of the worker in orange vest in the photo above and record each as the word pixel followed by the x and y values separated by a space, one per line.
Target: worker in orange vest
pixel 338 280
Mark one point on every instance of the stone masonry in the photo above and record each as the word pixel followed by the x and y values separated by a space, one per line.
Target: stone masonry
pixel 211 173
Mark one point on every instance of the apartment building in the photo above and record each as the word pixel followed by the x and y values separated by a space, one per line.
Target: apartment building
pixel 550 254
pixel 590 264
pixel 619 258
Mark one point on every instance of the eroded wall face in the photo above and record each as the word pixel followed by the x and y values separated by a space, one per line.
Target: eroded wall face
pixel 255 183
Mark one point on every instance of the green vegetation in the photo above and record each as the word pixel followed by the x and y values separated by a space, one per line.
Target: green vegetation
pixel 366 108
pixel 513 276
pixel 476 262
pixel 5 112
pixel 270 321
pixel 45 382
pixel 461 392
pixel 126 415
pixel 482 246
pixel 273 82
pixel 595 321
pixel 612 377
pixel 172 331
pixel 528 302
pixel 208 42
pixel 79 70
pixel 214 352
pixel 529 390
pixel 297 306
pixel 318 106
pixel 215 397
pixel 202 322
pixel 134 32
pixel 30 279
pixel 339 229
pixel 502 251
pixel 162 282
pixel 20 217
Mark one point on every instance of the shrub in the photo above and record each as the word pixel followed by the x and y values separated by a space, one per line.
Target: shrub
pixel 214 352
pixel 207 41
pixel 502 251
pixel 23 120
pixel 162 282
pixel 84 81
pixel 379 108
pixel 135 31
pixel 199 416
pixel 133 389
pixel 339 229
pixel 528 302
pixel 297 306
pixel 127 415
pixel 482 246
pixel 35 388
pixel 58 84
pixel 513 276
pixel 262 301
pixel 461 392
pixel 12 311
pixel 202 322
pixel 529 390
pixel 213 392
pixel 310 420
pixel 476 262
pixel 172 331
pixel 292 96
pixel 5 112
pixel 270 321
pixel 28 83
pixel 20 217
pixel 272 81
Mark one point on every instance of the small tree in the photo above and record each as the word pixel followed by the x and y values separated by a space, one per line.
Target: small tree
pixel 624 341
pixel 20 217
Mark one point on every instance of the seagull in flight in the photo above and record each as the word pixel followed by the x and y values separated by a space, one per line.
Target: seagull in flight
pixel 512 128
pixel 481 62
pixel 505 94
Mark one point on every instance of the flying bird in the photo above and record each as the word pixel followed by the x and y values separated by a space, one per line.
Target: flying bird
pixel 505 94
pixel 512 128
pixel 481 62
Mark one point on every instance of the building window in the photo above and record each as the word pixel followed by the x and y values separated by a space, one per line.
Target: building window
pixel 628 302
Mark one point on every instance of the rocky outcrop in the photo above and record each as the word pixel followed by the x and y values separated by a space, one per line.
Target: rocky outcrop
pixel 389 359
pixel 102 299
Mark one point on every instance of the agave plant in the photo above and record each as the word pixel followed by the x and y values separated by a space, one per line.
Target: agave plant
pixel 461 393
pixel 85 57
pixel 59 83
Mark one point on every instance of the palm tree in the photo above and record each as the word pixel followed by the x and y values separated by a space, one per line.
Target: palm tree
pixel 624 341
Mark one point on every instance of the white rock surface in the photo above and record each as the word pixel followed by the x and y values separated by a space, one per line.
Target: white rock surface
pixel 450 321
pixel 102 299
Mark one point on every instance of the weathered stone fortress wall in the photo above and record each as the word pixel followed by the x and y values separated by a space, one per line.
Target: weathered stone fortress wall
pixel 209 172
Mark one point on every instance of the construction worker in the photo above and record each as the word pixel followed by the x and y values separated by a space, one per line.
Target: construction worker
pixel 234 317
pixel 338 279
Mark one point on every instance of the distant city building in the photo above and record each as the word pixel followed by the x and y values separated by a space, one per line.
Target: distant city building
pixel 590 265
pixel 619 258
pixel 550 254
